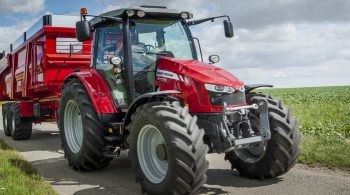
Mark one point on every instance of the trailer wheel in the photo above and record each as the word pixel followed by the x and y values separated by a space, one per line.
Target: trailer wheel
pixel 82 133
pixel 6 109
pixel 167 149
pixel 20 127
pixel 279 154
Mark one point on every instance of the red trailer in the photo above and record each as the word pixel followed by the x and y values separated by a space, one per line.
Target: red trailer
pixel 33 68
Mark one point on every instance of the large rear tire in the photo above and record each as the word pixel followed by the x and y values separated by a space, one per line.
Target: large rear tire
pixel 6 110
pixel 82 133
pixel 20 127
pixel 280 153
pixel 167 149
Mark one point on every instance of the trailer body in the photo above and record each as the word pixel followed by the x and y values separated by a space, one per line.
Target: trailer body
pixel 34 67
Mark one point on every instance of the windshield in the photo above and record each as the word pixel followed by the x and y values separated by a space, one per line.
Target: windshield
pixel 160 38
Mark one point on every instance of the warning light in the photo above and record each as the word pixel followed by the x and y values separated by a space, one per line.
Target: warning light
pixel 83 11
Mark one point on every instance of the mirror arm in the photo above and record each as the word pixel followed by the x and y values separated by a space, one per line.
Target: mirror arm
pixel 195 22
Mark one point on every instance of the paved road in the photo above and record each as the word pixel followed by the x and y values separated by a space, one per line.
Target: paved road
pixel 44 152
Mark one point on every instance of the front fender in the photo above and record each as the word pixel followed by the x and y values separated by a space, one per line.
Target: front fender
pixel 97 89
pixel 251 87
pixel 142 99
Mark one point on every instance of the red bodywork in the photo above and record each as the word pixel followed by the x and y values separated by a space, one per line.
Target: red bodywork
pixel 190 80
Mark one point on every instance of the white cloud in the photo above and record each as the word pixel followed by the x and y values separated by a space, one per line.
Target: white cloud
pixel 289 54
pixel 9 34
pixel 279 74
pixel 21 6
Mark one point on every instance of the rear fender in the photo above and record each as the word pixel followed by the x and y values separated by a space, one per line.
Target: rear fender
pixel 148 97
pixel 97 89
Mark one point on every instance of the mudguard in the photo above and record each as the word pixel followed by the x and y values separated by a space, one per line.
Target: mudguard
pixel 251 87
pixel 98 90
pixel 142 99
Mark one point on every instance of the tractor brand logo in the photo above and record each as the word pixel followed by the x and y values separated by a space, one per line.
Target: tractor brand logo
pixel 167 74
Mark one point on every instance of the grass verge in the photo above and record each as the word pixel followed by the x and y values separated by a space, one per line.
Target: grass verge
pixel 17 176
pixel 324 117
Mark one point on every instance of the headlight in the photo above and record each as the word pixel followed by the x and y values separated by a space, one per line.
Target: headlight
pixel 184 15
pixel 141 14
pixel 130 13
pixel 219 88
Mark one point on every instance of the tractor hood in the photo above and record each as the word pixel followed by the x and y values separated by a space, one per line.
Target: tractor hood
pixel 199 71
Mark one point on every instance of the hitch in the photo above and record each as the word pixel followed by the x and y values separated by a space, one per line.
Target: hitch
pixel 230 130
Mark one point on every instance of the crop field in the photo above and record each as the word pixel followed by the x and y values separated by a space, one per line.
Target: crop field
pixel 324 117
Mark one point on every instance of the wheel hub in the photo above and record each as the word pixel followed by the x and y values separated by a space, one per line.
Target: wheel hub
pixel 161 152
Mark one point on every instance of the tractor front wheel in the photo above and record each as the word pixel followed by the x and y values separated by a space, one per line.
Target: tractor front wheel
pixel 167 149
pixel 276 156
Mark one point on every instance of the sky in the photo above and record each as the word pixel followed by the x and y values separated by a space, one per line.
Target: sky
pixel 287 43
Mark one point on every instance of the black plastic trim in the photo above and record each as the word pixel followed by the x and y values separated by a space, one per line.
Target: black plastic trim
pixel 251 87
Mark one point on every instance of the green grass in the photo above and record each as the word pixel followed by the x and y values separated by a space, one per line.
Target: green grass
pixel 324 117
pixel 17 176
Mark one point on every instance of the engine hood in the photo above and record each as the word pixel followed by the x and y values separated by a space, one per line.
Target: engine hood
pixel 199 71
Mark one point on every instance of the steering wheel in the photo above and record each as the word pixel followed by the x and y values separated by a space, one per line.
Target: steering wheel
pixel 149 47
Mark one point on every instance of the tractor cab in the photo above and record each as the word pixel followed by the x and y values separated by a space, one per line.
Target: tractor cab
pixel 131 42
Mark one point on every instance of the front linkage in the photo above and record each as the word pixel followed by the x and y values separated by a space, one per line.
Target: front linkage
pixel 237 129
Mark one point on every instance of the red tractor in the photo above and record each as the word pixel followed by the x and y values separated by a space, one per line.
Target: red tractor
pixel 146 90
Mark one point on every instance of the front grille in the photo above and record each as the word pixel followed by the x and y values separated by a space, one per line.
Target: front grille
pixel 217 99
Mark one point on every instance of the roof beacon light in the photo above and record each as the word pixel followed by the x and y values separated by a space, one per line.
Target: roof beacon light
pixel 83 11
pixel 130 13
pixel 141 14
pixel 184 15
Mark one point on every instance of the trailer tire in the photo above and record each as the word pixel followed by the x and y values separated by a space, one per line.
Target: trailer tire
pixel 179 151
pixel 20 127
pixel 82 133
pixel 280 152
pixel 6 110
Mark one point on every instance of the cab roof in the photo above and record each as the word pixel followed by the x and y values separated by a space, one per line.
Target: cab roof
pixel 151 12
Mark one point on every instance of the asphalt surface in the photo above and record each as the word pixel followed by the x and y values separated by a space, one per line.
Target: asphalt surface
pixel 44 152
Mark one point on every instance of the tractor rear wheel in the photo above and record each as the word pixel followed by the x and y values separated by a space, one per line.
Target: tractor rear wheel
pixel 276 156
pixel 6 109
pixel 167 149
pixel 82 133
pixel 20 127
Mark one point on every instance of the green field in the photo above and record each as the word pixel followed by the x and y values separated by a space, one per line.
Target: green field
pixel 17 176
pixel 324 117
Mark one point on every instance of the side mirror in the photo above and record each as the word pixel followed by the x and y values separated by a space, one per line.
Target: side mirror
pixel 83 30
pixel 214 59
pixel 228 29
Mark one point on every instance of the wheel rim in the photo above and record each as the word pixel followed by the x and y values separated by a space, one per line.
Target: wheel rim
pixel 152 154
pixel 254 153
pixel 73 126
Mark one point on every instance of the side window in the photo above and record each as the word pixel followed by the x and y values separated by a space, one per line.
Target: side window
pixel 109 45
